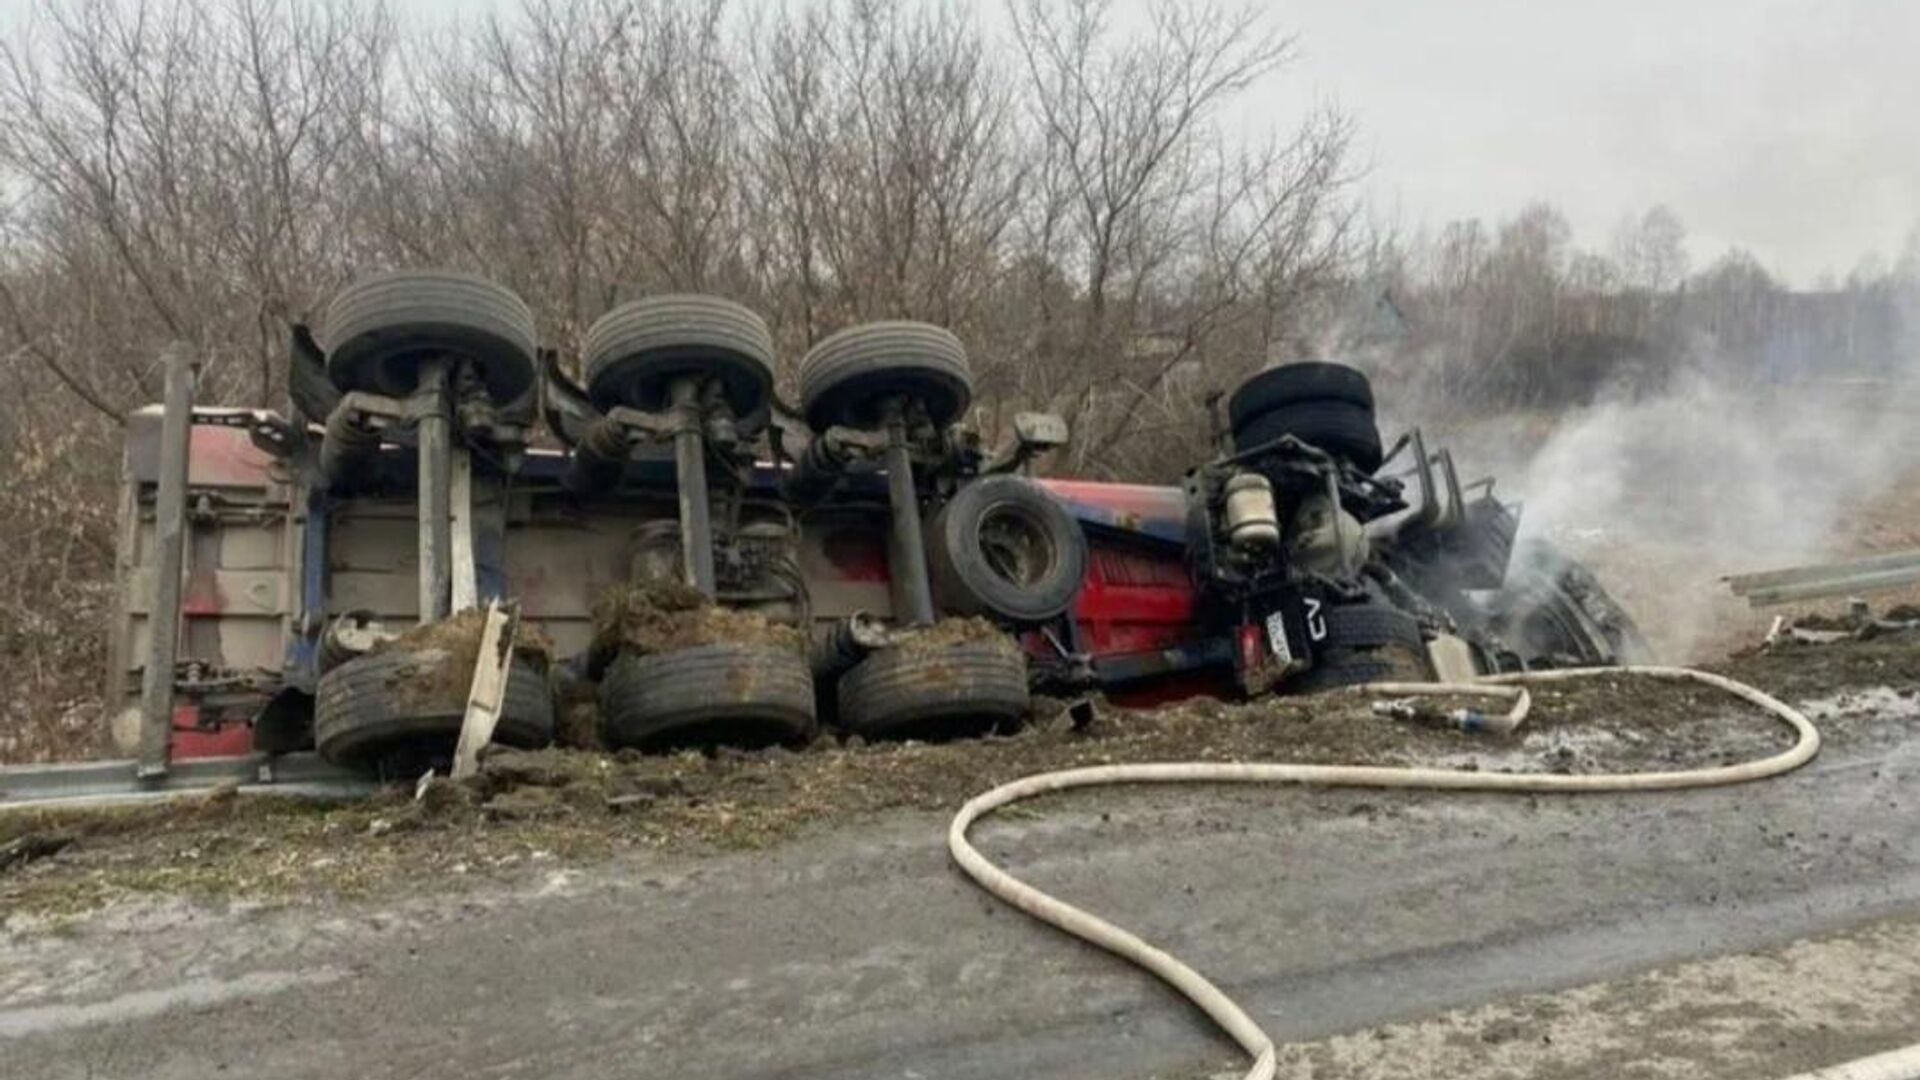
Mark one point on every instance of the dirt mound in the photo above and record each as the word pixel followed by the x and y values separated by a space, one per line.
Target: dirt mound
pixel 572 804
pixel 576 713
pixel 920 640
pixel 665 616
pixel 445 653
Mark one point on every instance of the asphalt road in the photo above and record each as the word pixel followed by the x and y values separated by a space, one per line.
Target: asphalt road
pixel 861 953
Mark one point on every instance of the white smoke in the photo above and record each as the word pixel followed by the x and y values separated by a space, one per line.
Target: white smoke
pixel 1662 497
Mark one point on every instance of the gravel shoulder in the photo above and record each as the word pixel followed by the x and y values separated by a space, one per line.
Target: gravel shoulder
pixel 1770 1013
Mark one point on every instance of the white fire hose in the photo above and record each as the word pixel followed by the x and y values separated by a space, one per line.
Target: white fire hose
pixel 1229 1016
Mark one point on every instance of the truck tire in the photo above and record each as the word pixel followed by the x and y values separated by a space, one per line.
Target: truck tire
pixel 1370 626
pixel 1334 668
pixel 737 695
pixel 935 691
pixel 380 329
pixel 634 353
pixel 844 379
pixel 1288 384
pixel 390 710
pixel 1004 547
pixel 1340 428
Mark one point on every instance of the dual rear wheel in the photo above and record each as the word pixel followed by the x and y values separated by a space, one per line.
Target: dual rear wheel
pixel 1327 406
pixel 1006 549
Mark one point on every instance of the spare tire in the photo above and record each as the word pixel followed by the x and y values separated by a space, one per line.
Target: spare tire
pixel 1004 547
pixel 634 353
pixel 380 329
pixel 1340 428
pixel 846 378
pixel 737 695
pixel 924 690
pixel 1310 380
pixel 398 710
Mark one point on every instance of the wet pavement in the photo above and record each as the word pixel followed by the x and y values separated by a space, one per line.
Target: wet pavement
pixel 859 952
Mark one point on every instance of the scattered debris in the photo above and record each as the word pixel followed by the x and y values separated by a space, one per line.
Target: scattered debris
pixel 584 805
pixel 24 849
pixel 1859 623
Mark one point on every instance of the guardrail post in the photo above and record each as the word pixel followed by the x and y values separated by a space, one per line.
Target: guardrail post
pixel 169 556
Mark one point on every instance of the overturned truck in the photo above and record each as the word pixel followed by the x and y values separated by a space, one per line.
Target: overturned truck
pixel 711 566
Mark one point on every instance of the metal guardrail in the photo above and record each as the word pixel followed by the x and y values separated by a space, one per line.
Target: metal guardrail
pixel 94 782
pixel 1873 573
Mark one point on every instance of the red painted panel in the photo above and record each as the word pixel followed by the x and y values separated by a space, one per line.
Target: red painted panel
pixel 1145 500
pixel 190 740
pixel 1134 600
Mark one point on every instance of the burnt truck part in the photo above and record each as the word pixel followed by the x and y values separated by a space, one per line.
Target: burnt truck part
pixel 1310 544
pixel 1305 554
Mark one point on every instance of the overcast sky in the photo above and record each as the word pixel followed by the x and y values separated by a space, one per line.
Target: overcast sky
pixel 1788 127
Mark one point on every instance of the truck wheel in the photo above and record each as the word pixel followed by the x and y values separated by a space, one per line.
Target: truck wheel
pixel 1002 546
pixel 1334 668
pixel 1370 626
pixel 1340 428
pixel 739 695
pixel 1290 384
pixel 635 352
pixel 401 709
pixel 380 329
pixel 844 379
pixel 929 691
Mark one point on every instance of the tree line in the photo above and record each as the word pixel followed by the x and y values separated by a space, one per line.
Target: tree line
pixel 1515 315
pixel 1054 187
pixel 1052 181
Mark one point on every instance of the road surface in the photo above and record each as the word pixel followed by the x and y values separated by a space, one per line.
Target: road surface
pixel 860 953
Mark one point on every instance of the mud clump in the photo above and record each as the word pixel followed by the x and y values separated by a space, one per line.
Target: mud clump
pixel 652 616
pixel 525 784
pixel 503 769
pixel 948 633
pixel 444 654
pixel 576 715
pixel 24 849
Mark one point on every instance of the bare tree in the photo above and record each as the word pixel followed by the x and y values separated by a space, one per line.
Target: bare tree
pixel 1651 250
pixel 885 157
pixel 1060 196
pixel 1161 234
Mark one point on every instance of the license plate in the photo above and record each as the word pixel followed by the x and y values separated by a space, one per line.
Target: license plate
pixel 1277 638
